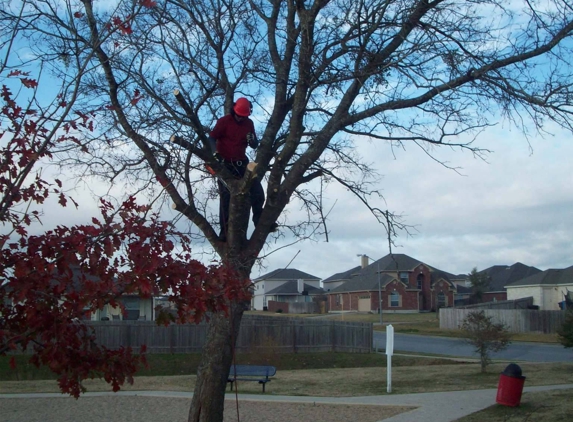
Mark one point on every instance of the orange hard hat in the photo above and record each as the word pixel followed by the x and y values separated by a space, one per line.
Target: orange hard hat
pixel 242 107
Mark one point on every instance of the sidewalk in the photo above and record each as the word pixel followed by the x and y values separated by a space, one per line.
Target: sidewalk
pixel 431 407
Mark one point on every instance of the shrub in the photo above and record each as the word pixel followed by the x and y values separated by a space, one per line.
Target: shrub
pixel 485 335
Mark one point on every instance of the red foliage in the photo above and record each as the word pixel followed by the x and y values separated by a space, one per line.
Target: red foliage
pixel 29 83
pixel 148 3
pixel 123 25
pixel 136 97
pixel 48 282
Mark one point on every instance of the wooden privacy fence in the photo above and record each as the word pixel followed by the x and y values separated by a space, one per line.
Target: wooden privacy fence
pixel 522 303
pixel 257 333
pixel 516 320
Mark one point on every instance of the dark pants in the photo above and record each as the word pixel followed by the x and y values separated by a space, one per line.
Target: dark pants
pixel 256 192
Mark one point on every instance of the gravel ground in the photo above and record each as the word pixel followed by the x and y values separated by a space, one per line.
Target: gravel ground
pixel 158 409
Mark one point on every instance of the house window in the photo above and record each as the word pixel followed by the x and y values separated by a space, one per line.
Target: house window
pixel 404 276
pixel 395 299
pixel 264 301
pixel 338 299
pixel 131 308
pixel 420 281
pixel 442 300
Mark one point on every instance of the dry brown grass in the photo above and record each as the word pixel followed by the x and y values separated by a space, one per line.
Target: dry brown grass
pixel 343 382
pixel 554 406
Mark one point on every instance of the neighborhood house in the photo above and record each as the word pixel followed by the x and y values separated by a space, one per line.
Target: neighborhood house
pixel 396 283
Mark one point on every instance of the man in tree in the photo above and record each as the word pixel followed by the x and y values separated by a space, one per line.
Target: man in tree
pixel 229 140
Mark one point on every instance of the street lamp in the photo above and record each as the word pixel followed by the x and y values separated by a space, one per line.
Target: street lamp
pixel 379 287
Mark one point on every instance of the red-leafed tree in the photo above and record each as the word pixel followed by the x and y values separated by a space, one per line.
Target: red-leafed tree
pixel 321 74
pixel 48 281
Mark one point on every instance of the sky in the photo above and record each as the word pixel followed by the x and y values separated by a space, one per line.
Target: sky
pixel 517 206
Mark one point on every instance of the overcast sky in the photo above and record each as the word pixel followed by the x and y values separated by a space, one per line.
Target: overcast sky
pixel 516 207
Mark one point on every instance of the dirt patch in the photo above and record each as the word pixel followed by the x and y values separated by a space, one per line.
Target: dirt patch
pixel 153 409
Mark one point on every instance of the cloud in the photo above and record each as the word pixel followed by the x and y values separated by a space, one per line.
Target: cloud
pixel 516 207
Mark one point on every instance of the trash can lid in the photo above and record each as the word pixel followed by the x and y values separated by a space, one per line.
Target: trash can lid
pixel 512 370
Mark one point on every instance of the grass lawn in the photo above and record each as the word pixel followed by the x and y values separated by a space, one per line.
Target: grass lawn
pixel 554 406
pixel 337 375
pixel 309 374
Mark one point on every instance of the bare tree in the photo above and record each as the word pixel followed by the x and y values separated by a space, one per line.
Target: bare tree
pixel 324 73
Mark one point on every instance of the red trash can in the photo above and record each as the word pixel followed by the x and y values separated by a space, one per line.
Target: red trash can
pixel 510 386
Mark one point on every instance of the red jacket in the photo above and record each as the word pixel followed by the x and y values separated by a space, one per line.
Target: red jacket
pixel 231 137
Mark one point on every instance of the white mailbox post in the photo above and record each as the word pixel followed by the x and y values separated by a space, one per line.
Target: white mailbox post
pixel 389 353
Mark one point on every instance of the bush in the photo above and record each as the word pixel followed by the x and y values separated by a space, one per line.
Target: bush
pixel 485 335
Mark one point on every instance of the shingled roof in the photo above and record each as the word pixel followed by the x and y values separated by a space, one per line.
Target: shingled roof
pixel 366 279
pixel 291 288
pixel 397 262
pixel 287 274
pixel 364 283
pixel 343 276
pixel 503 275
pixel 547 277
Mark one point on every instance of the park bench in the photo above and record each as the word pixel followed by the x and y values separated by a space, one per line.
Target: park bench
pixel 260 373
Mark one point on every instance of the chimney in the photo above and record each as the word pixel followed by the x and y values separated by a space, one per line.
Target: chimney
pixel 300 285
pixel 363 261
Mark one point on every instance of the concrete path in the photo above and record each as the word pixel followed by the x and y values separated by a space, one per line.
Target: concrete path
pixel 431 407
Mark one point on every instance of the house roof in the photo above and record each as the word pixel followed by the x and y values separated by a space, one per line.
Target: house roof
pixel 503 275
pixel 286 274
pixel 343 276
pixel 436 275
pixel 397 262
pixel 547 277
pixel 391 262
pixel 291 288
pixel 365 282
pixel 366 279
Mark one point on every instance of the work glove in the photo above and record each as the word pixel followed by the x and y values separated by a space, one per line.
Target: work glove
pixel 252 140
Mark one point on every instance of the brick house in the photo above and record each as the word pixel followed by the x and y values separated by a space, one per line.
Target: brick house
pixel 406 285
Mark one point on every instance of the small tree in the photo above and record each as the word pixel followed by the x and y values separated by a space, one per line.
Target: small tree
pixel 480 284
pixel 565 333
pixel 485 335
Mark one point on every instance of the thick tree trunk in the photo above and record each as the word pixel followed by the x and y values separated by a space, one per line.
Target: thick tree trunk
pixel 209 395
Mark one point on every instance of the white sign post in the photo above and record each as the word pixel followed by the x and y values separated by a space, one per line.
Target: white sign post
pixel 389 353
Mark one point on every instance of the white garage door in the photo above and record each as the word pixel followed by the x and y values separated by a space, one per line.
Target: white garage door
pixel 364 304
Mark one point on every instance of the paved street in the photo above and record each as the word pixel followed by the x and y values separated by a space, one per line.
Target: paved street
pixel 517 351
